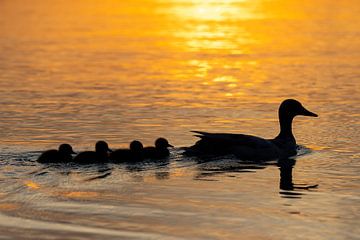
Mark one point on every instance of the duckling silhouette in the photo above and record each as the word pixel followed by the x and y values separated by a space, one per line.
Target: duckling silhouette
pixel 249 147
pixel 101 154
pixel 159 151
pixel 134 153
pixel 63 154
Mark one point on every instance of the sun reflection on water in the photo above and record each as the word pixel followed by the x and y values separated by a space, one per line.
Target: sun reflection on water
pixel 210 25
pixel 213 27
pixel 214 10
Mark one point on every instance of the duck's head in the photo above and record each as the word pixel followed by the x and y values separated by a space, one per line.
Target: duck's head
pixel 66 149
pixel 162 143
pixel 291 108
pixel 102 147
pixel 136 146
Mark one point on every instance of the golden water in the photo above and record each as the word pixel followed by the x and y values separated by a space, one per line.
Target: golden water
pixel 80 71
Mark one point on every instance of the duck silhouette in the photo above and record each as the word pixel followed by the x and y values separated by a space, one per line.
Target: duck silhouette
pixel 249 147
pixel 100 154
pixel 134 153
pixel 63 154
pixel 159 151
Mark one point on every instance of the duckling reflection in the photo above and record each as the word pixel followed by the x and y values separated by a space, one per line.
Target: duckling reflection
pixel 75 171
pixel 103 172
pixel 139 169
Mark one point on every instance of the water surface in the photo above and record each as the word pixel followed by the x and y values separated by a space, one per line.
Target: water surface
pixel 80 71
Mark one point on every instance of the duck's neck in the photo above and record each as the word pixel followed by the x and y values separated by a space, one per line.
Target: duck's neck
pixel 286 128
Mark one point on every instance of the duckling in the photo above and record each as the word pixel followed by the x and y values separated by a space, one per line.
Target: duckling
pixel 251 147
pixel 101 154
pixel 159 151
pixel 63 154
pixel 134 153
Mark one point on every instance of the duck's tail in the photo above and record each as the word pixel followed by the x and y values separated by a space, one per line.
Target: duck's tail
pixel 200 134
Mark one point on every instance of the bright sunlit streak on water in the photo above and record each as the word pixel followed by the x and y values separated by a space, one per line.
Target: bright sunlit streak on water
pixel 213 10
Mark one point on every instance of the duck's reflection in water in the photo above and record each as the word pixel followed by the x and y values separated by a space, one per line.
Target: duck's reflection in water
pixel 287 187
pixel 209 167
pixel 286 166
pixel 207 170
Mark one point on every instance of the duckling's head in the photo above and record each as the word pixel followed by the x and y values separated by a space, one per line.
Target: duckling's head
pixel 102 147
pixel 162 143
pixel 291 108
pixel 66 149
pixel 136 146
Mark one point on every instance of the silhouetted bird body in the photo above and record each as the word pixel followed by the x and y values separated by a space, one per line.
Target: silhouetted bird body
pixel 63 154
pixel 134 153
pixel 159 151
pixel 251 147
pixel 101 154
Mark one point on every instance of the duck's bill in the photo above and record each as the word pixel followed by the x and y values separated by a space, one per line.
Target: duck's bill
pixel 72 152
pixel 109 150
pixel 169 145
pixel 308 113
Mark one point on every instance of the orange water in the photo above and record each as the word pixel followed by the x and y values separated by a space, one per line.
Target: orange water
pixel 80 71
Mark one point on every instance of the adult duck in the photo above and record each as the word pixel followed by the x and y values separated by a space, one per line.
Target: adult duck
pixel 159 151
pixel 251 147
pixel 100 154
pixel 63 154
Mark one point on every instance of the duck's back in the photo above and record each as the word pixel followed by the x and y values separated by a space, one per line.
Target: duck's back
pixel 241 145
pixel 120 155
pixel 149 152
pixel 155 153
pixel 54 156
pixel 124 155
pixel 89 157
